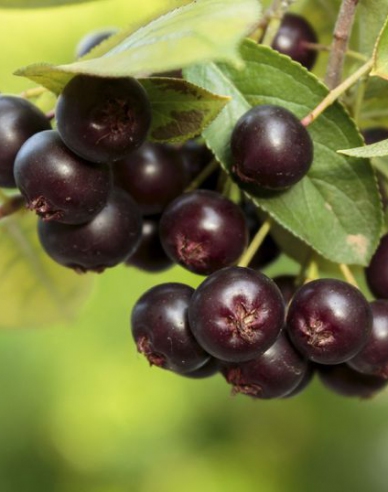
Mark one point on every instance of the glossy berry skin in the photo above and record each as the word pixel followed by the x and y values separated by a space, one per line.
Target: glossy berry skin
pixel 103 119
pixel 236 314
pixel 161 330
pixel 344 381
pixel 273 374
pixel 270 148
pixel 19 120
pixel 209 369
pixel 203 231
pixel 373 358
pixel 58 184
pixel 293 34
pixel 329 321
pixel 376 273
pixel 93 39
pixel 107 240
pixel 304 383
pixel 150 255
pixel 153 175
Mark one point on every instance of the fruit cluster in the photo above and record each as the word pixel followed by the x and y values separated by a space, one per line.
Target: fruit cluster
pixel 106 195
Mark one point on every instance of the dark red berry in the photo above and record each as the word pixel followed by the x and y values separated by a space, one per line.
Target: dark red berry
pixel 19 120
pixel 270 148
pixel 203 231
pixel 58 184
pixel 373 358
pixel 153 175
pixel 293 37
pixel 377 272
pixel 161 330
pixel 107 240
pixel 329 321
pixel 196 156
pixel 344 381
pixel 93 39
pixel 304 383
pixel 274 374
pixel 103 119
pixel 236 314
pixel 375 134
pixel 150 255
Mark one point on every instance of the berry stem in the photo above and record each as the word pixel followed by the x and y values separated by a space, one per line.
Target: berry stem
pixel 198 180
pixel 33 92
pixel 255 243
pixel 341 36
pixel 12 205
pixel 348 275
pixel 337 92
pixel 323 47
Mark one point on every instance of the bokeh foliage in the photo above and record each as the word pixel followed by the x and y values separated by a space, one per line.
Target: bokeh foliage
pixel 80 411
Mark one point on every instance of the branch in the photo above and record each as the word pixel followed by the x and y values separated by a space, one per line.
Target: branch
pixel 341 36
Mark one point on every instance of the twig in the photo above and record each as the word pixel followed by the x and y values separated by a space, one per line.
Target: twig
pixel 341 36
pixel 255 243
pixel 337 92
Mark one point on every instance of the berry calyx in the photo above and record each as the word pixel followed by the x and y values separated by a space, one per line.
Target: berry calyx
pixel 161 330
pixel 329 321
pixel 270 148
pixel 107 240
pixel 58 184
pixel 103 119
pixel 203 231
pixel 236 314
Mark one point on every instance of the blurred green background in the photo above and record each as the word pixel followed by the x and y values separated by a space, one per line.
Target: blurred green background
pixel 80 411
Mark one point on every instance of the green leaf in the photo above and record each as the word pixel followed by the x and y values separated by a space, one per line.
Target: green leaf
pixel 32 4
pixel 371 15
pixel 379 149
pixel 335 208
pixel 38 292
pixel 380 67
pixel 180 110
pixel 202 31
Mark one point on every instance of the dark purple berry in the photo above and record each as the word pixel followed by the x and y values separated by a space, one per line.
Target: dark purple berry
pixel 377 272
pixel 161 330
pixel 375 134
pixel 93 39
pixel 203 231
pixel 274 374
pixel 293 37
pixel 329 321
pixel 153 175
pixel 210 368
pixel 103 119
pixel 19 120
pixel 270 148
pixel 58 184
pixel 107 240
pixel 304 383
pixel 344 381
pixel 150 255
pixel 236 314
pixel 373 358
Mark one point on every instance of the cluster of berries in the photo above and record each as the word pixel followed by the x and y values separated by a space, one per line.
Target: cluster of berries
pixel 104 196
